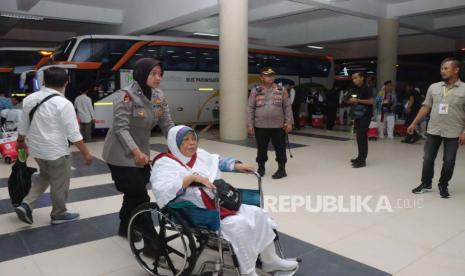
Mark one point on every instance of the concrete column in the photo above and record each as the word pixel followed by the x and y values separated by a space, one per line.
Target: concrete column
pixel 388 32
pixel 233 68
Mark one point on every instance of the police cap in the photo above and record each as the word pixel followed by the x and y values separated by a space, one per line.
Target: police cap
pixel 268 71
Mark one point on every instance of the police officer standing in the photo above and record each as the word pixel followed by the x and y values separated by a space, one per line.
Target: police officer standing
pixel 269 116
pixel 137 109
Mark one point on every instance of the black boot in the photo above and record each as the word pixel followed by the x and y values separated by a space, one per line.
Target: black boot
pixel 123 232
pixel 281 172
pixel 415 138
pixel 261 169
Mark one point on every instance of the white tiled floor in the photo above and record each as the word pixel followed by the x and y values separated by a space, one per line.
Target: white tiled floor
pixel 408 241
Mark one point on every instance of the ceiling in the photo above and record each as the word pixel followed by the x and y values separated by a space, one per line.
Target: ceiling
pixel 346 28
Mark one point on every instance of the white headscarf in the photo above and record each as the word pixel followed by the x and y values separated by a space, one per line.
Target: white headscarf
pixel 173 142
pixel 167 174
pixel 206 163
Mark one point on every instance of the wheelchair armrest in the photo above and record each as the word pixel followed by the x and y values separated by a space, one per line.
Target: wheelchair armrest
pixel 259 184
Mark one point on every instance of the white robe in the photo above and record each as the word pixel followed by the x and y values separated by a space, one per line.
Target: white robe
pixel 249 231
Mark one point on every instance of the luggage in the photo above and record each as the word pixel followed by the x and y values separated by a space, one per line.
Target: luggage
pixel 8 146
pixel 400 129
pixel 373 131
pixel 318 121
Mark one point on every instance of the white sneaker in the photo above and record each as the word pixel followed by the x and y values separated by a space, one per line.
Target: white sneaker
pixel 280 265
pixel 253 273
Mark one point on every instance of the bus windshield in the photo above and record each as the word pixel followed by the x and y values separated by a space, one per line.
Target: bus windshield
pixel 64 50
pixel 107 51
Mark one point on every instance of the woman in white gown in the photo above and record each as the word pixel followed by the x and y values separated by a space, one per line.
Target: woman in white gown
pixel 249 230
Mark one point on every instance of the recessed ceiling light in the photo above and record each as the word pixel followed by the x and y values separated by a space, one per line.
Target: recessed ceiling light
pixel 21 16
pixel 315 47
pixel 206 34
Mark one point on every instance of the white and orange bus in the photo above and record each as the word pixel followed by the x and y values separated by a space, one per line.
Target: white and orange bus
pixel 191 78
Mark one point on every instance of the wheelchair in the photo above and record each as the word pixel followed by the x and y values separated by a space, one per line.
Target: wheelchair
pixel 170 241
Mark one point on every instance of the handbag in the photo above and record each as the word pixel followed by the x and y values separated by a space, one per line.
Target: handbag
pixel 19 182
pixel 229 197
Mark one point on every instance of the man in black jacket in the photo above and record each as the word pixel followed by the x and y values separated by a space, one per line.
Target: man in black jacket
pixel 363 102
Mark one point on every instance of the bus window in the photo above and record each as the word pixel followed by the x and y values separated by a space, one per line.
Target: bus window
pixel 285 65
pixel 62 53
pixel 5 82
pixel 19 58
pixel 281 64
pixel 321 67
pixel 178 58
pixel 146 51
pixel 262 60
pixel 208 60
pixel 314 67
pixel 102 50
pixel 254 64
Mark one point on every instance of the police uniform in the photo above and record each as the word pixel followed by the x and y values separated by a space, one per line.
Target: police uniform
pixel 268 110
pixel 134 117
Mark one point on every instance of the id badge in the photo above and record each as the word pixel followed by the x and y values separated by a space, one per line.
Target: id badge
pixel 443 108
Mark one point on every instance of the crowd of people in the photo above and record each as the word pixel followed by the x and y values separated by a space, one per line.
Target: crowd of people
pixel 391 106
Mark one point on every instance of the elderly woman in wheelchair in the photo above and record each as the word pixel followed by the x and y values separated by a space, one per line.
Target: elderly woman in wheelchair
pixel 188 174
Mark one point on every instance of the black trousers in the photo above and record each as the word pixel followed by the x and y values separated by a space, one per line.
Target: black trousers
pixel 410 117
pixel 131 181
pixel 433 142
pixel 296 113
pixel 278 139
pixel 361 126
pixel 331 116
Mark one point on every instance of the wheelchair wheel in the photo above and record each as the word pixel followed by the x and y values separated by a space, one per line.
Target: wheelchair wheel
pixel 167 247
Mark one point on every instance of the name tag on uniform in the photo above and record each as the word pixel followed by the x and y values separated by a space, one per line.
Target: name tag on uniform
pixel 443 108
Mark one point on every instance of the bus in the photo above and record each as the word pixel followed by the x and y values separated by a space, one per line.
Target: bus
pixel 16 60
pixel 94 57
pixel 191 71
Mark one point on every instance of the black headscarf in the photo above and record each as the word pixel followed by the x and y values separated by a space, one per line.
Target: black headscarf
pixel 141 73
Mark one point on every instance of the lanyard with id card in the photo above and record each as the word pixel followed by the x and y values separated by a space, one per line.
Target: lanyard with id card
pixel 444 105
